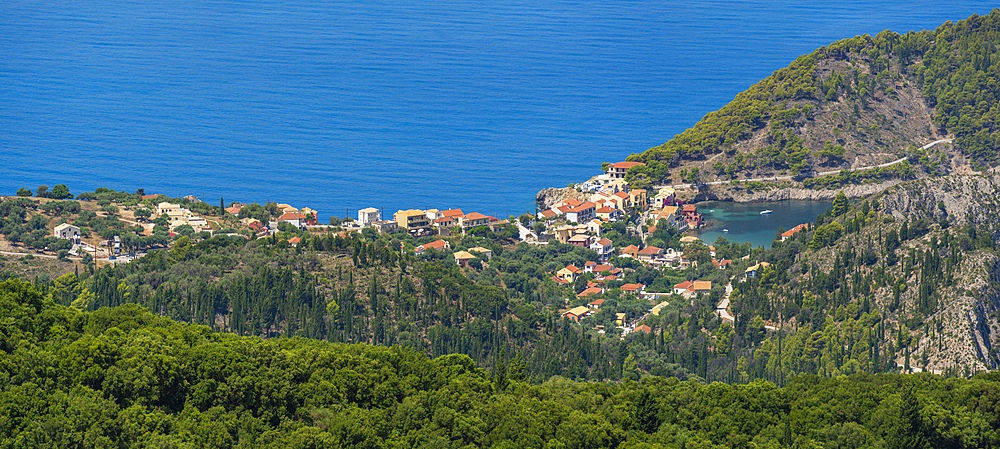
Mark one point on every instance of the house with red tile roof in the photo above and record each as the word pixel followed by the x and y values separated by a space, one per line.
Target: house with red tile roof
pixel 453 213
pixel 572 202
pixel 608 213
pixel 603 247
pixel 446 222
pixel 644 328
pixel 649 253
pixel 722 264
pixel 295 241
pixel 569 274
pixel 683 287
pixel 439 245
pixel 296 219
pixel 592 291
pixel 618 169
pixel 474 219
pixel 633 288
pixel 791 232
pixel 691 215
pixel 631 251
pixel 582 213
pixel 547 214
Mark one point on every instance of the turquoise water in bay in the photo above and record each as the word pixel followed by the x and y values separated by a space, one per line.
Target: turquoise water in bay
pixel 746 223
pixel 340 105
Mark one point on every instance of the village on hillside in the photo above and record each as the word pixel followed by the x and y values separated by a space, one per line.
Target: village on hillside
pixel 639 244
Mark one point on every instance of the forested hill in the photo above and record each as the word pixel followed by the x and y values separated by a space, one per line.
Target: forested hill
pixel 122 377
pixel 857 102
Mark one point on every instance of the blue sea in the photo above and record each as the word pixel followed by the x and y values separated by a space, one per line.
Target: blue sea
pixel 341 105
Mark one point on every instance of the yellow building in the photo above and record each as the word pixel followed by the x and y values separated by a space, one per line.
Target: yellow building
pixel 412 219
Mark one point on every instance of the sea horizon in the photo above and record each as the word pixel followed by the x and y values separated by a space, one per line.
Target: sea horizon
pixel 345 105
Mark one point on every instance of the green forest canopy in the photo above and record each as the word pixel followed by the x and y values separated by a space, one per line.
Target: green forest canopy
pixel 122 377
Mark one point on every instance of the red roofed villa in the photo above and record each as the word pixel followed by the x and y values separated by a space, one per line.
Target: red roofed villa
pixel 618 169
pixel 439 245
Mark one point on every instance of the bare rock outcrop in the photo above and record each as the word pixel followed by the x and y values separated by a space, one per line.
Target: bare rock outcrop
pixel 552 195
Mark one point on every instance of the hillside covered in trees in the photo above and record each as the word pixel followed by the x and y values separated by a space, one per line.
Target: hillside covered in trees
pixel 123 377
pixel 856 102
pixel 873 286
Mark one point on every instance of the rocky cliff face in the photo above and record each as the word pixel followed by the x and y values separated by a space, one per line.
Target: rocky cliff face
pixel 730 193
pixel 552 195
pixel 969 310
pixel 962 199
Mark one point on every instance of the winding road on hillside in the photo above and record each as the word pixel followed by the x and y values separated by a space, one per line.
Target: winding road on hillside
pixel 723 309
pixel 826 173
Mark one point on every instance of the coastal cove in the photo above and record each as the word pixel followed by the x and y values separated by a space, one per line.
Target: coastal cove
pixel 746 224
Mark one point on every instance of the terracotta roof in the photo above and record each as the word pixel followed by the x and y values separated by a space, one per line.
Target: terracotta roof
pixel 603 268
pixel 146 197
pixel 626 165
pixel 622 195
pixel 644 328
pixel 583 207
pixel 560 281
pixel 548 213
pixel 437 244
pixel 632 287
pixel 234 210
pixel 452 213
pixel 292 216
pixel 702 285
pixel 630 248
pixel 792 231
pixel 604 242
pixel 690 208
pixel 684 285
pixel 606 210
pixel 651 250
pixel 721 263
pixel 294 240
pixel 445 220
pixel 572 269
pixel 476 216
pixel 593 291
pixel 572 202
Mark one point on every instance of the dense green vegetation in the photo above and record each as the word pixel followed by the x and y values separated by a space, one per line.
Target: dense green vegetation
pixel 954 66
pixel 902 171
pixel 122 377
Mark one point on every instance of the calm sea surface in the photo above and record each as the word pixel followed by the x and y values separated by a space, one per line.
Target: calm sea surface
pixel 745 223
pixel 343 105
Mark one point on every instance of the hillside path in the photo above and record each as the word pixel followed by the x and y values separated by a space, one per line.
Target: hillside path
pixel 826 173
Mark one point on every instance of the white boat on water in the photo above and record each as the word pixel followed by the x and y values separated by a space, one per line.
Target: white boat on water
pixel 765 212
pixel 725 230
